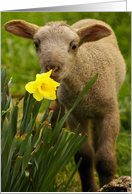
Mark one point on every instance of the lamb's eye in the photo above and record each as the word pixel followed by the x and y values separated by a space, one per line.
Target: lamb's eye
pixel 73 47
pixel 37 43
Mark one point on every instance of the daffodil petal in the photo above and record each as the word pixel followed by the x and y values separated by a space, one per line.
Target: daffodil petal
pixel 53 97
pixel 50 98
pixel 37 95
pixel 31 87
pixel 47 74
pixel 54 83
pixel 43 76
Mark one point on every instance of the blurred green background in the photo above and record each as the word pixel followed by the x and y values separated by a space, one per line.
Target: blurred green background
pixel 20 58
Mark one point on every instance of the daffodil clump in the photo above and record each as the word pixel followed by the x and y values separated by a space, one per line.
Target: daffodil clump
pixel 30 160
pixel 43 87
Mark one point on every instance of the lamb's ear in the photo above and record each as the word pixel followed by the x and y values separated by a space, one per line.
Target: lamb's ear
pixel 21 28
pixel 93 33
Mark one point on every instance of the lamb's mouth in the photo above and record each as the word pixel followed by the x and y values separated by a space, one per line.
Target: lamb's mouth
pixel 56 78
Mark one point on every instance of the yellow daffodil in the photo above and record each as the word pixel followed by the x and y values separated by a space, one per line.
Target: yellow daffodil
pixel 43 87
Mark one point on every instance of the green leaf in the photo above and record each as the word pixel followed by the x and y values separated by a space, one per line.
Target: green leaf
pixel 16 168
pixel 6 150
pixel 26 155
pixel 46 134
pixel 25 102
pixel 62 139
pixel 45 114
pixel 24 186
pixel 5 176
pixel 8 99
pixel 9 83
pixel 19 183
pixel 15 143
pixel 40 156
pixel 70 141
pixel 36 136
pixel 4 98
pixel 14 117
pixel 30 107
pixel 45 131
pixel 3 78
pixel 35 109
pixel 26 115
pixel 5 111
pixel 46 161
pixel 17 102
pixel 24 144
pixel 26 112
pixel 5 131
pixel 7 105
pixel 8 184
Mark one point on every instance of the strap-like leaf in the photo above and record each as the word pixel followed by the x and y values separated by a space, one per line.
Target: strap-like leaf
pixel 26 155
pixel 3 78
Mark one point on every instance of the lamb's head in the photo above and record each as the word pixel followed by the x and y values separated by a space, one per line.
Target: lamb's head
pixel 57 43
pixel 56 46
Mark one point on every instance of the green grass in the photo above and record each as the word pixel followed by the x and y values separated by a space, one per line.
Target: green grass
pixel 20 58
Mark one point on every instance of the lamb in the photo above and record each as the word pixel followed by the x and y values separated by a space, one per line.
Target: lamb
pixel 75 54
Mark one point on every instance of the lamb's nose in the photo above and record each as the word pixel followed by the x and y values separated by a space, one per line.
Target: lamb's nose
pixel 53 68
pixel 52 65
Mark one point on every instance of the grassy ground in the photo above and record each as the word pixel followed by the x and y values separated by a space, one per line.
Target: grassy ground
pixel 20 58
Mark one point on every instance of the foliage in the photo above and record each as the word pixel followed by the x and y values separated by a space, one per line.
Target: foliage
pixel 30 159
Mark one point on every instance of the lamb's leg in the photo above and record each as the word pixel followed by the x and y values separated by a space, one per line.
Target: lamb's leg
pixel 86 152
pixel 86 169
pixel 105 157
